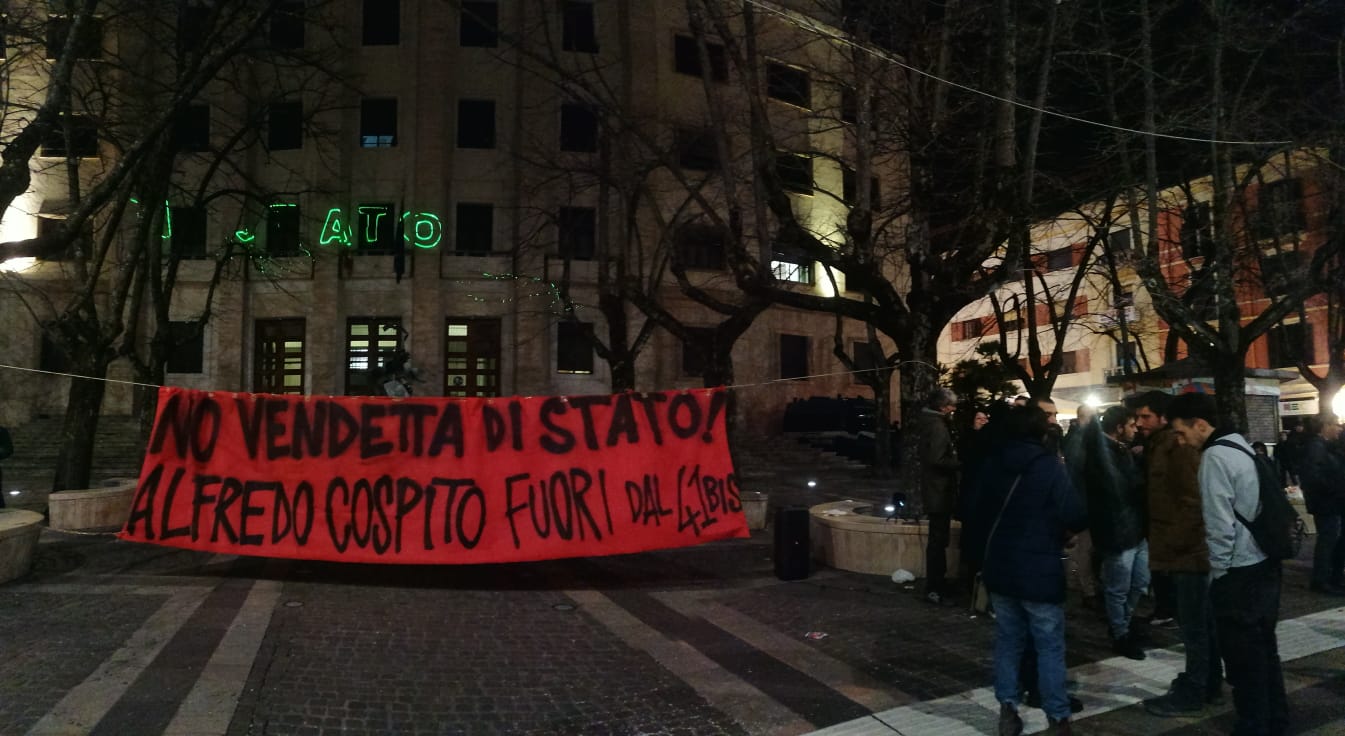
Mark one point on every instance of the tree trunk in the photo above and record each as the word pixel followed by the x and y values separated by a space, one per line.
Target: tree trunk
pixel 882 430
pixel 74 463
pixel 1230 390
pixel 919 377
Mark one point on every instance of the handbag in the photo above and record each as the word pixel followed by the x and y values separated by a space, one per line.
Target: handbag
pixel 980 595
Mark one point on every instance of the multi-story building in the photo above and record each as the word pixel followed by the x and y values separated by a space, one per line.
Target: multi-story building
pixel 447 178
pixel 1279 221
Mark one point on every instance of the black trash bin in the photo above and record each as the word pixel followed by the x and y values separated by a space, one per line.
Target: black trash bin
pixel 792 552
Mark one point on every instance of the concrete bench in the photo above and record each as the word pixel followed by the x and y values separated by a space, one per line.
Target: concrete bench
pixel 19 531
pixel 92 509
pixel 872 544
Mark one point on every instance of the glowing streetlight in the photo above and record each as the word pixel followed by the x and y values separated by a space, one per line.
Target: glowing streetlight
pixel 1338 404
pixel 1093 400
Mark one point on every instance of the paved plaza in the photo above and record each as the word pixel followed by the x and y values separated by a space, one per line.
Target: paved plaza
pixel 107 637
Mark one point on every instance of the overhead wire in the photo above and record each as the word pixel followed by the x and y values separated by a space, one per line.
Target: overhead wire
pixel 809 24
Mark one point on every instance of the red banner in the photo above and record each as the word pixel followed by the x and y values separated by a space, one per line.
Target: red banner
pixel 436 481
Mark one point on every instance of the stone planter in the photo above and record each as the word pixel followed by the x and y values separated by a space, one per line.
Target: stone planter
pixel 855 542
pixel 19 531
pixel 92 509
pixel 754 508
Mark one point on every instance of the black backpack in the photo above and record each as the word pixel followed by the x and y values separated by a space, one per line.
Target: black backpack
pixel 1278 530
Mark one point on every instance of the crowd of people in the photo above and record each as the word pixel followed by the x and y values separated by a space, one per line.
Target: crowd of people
pixel 1151 498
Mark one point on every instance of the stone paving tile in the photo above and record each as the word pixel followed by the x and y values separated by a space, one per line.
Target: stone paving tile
pixel 53 641
pixel 367 660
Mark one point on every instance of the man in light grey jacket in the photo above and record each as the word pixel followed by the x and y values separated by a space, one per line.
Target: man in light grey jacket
pixel 1245 583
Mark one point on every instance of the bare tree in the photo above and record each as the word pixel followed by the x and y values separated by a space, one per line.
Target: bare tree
pixel 125 112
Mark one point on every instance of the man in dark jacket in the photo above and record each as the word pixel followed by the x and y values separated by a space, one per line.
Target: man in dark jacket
pixel 1028 512
pixel 938 487
pixel 1116 513
pixel 1322 479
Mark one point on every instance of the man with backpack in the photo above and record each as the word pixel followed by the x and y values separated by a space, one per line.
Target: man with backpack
pixel 1239 513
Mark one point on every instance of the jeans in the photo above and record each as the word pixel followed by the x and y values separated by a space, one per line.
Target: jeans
pixel 1015 621
pixel 1204 676
pixel 1246 605
pixel 1328 538
pixel 1124 577
pixel 936 552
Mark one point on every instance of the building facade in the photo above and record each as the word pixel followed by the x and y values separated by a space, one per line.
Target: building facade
pixel 462 181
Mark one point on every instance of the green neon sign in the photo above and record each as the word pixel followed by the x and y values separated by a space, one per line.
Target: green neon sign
pixel 334 230
pixel 426 229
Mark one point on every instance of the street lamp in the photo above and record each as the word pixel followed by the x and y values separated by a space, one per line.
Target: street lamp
pixel 1338 405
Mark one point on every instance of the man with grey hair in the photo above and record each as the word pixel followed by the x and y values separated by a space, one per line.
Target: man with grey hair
pixel 938 487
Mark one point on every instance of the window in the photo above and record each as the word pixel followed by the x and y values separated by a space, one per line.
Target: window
pixel 793 356
pixel 696 149
pixel 89 45
pixel 796 172
pixel 1060 258
pixel 478 23
pixel 193 129
pixel 578 128
pixel 52 356
pixel 370 343
pixel 1279 210
pixel 1119 241
pixel 50 227
pixel 378 229
pixel 378 122
pixel 476 123
pixel 849 106
pixel 382 22
pixel 968 329
pixel 1074 361
pixel 696 350
pixel 574 347
pixel 578 232
pixel 1278 270
pixel 699 245
pixel 687 58
pixel 1197 231
pixel 278 356
pixel 788 84
pixel 850 195
pixel 287 26
pixel 867 357
pixel 81 143
pixel 797 273
pixel 282 230
pixel 186 348
pixel 472 357
pixel 193 27
pixel 1289 344
pixel 579 31
pixel 1127 356
pixel 475 234
pixel 187 231
pixel 285 126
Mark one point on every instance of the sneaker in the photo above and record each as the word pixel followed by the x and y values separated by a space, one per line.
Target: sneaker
pixel 1175 703
pixel 1127 647
pixel 1009 722
pixel 1165 622
pixel 1059 728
